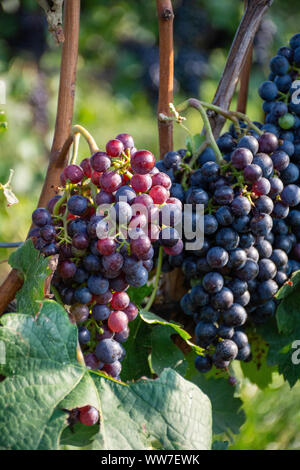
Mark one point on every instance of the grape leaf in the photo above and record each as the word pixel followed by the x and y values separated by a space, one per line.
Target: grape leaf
pixel 283 350
pixel 153 319
pixel 287 314
pixel 226 408
pixel 164 352
pixel 257 370
pixel 79 435
pixel 169 412
pixel 41 369
pixel 34 269
pixel 138 294
pixel 150 349
pixel 289 287
pixel 220 445
pixel 193 143
pixel 43 378
pixel 138 347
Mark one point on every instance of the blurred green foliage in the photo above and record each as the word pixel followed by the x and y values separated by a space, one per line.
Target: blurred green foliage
pixel 116 92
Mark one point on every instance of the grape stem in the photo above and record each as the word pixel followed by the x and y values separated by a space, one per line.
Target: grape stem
pixel 76 139
pixel 158 271
pixel 77 129
pixel 233 116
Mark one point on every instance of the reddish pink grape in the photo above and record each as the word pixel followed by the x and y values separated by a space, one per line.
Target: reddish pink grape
pixel 88 415
pixel 86 166
pixel 174 200
pixel 95 178
pixel 120 300
pixel 141 183
pixel 100 161
pixel 52 202
pixel 106 246
pixel 92 362
pixel 113 262
pixel 131 311
pixel 80 241
pixel 144 200
pixel 103 299
pixel 140 246
pixel 114 148
pixel 174 250
pixel 73 173
pixel 66 269
pixel 126 139
pixel 161 179
pixel 159 194
pixel 261 187
pixel 63 179
pixel 117 321
pixel 142 162
pixel 139 220
pixel 110 181
pixel 113 369
pixel 153 232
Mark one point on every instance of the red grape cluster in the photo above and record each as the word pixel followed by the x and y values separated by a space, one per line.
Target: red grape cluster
pixel 114 207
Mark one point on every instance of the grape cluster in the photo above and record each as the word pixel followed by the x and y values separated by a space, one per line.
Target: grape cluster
pixel 241 265
pixel 281 105
pixel 115 205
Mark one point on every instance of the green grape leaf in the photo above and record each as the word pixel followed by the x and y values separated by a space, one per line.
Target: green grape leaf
pixel 138 347
pixel 153 319
pixel 189 143
pixel 43 380
pixel 283 351
pixel 150 349
pixel 257 370
pixel 228 416
pixel 193 143
pixel 79 435
pixel 41 369
pixel 152 414
pixel 138 294
pixel 34 269
pixel 287 314
pixel 164 352
pixel 220 445
pixel 289 287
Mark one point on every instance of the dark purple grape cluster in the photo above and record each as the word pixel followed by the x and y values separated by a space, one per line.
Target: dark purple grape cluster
pixel 115 205
pixel 241 265
pixel 281 95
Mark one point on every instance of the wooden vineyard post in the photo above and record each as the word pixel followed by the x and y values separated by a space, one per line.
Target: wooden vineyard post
pixel 61 140
pixel 173 282
pixel 239 50
pixel 166 73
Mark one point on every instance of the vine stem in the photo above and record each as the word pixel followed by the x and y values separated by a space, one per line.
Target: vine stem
pixel 77 129
pixel 158 272
pixel 166 73
pixel 76 140
pixel 61 140
pixel 233 116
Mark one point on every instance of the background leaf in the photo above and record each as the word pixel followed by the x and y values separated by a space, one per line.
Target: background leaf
pixel 34 268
